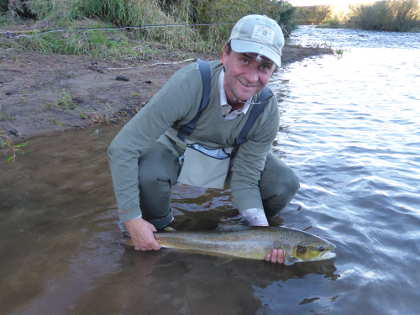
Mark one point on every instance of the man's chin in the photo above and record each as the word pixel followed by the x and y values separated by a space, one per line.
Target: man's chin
pixel 246 96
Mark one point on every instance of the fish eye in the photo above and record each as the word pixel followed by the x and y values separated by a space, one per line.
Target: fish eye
pixel 321 249
pixel 300 250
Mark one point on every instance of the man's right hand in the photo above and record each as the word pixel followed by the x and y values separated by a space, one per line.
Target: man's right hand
pixel 141 233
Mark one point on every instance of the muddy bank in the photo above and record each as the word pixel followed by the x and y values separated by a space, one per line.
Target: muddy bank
pixel 46 93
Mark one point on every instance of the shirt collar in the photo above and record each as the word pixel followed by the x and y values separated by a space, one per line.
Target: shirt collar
pixel 223 98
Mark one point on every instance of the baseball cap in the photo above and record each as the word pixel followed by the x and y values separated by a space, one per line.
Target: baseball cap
pixel 258 34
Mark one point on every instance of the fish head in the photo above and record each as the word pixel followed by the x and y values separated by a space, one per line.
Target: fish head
pixel 312 250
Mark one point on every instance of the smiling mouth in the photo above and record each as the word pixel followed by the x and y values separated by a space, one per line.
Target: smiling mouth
pixel 247 85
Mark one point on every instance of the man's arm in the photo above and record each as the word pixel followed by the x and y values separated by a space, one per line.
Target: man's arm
pixel 250 158
pixel 175 101
pixel 246 173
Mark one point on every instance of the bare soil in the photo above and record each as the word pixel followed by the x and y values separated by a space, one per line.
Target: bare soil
pixel 46 93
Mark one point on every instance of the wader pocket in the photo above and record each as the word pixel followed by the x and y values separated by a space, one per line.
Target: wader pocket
pixel 205 167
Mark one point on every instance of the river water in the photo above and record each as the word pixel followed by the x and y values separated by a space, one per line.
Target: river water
pixel 351 132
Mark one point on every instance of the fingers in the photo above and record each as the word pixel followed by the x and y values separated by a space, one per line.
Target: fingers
pixel 146 242
pixel 141 233
pixel 145 246
pixel 275 256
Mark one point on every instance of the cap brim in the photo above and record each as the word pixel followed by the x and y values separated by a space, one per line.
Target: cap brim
pixel 243 46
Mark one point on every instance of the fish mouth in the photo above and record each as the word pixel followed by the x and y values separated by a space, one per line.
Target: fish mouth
pixel 328 255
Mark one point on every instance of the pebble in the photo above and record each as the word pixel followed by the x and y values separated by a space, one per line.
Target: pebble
pixel 121 78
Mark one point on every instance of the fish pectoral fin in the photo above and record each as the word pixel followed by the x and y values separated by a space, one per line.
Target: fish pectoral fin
pixel 290 260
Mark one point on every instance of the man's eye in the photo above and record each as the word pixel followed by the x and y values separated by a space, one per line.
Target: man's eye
pixel 245 60
pixel 265 67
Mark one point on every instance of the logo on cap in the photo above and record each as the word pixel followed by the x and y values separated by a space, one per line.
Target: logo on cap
pixel 262 33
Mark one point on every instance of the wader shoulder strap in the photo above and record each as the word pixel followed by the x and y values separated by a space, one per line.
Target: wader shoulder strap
pixel 205 72
pixel 256 110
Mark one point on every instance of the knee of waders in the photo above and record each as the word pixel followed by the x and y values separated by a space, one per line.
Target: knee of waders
pixel 154 183
pixel 155 196
pixel 279 195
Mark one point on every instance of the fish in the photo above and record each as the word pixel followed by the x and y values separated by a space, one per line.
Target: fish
pixel 252 243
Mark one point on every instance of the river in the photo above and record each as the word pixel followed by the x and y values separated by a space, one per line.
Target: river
pixel 350 130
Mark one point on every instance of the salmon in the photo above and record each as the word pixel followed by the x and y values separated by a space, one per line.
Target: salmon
pixel 253 243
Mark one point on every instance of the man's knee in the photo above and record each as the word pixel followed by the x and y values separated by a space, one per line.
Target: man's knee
pixel 279 184
pixel 290 185
pixel 154 183
pixel 157 174
pixel 158 168
pixel 279 199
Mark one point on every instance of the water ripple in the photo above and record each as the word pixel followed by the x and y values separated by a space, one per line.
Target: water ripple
pixel 353 139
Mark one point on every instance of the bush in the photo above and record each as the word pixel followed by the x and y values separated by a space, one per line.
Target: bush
pixel 4 5
pixel 313 14
pixel 393 15
pixel 222 11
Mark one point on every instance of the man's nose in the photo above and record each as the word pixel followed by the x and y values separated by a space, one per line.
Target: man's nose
pixel 251 75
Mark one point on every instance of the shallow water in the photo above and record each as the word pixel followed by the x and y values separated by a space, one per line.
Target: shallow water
pixel 351 131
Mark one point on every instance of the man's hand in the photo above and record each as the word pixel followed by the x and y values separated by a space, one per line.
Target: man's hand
pixel 141 233
pixel 276 256
pixel 256 217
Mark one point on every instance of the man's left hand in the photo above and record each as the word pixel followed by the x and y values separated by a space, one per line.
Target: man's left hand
pixel 276 256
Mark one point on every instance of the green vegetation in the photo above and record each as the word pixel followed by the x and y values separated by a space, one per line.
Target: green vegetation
pixel 63 103
pixel 317 14
pixel 4 5
pixel 72 15
pixel 339 52
pixel 9 148
pixel 391 15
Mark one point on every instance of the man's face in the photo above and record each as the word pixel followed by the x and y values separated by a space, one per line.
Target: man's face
pixel 245 75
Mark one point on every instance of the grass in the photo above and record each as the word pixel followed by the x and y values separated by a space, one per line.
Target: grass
pixel 64 102
pixel 73 14
pixel 103 44
pixel 95 43
pixel 10 148
pixel 339 52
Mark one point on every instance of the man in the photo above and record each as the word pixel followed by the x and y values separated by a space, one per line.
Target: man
pixel 146 156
